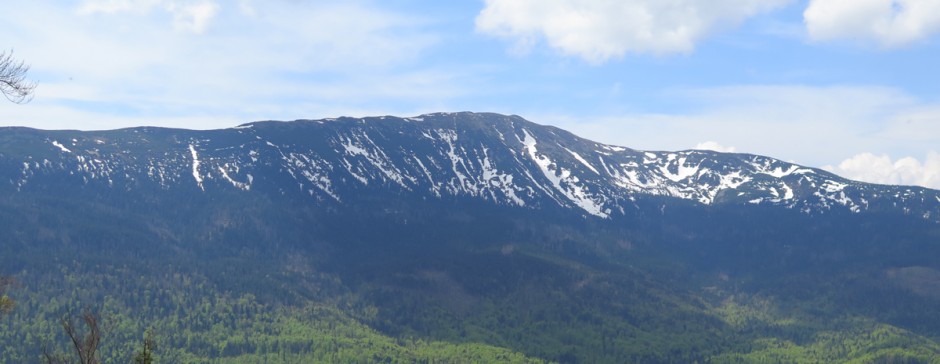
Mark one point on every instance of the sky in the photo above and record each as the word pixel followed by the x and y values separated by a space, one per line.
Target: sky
pixel 851 86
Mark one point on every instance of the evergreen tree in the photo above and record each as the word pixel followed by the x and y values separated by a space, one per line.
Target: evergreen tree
pixel 145 356
pixel 6 303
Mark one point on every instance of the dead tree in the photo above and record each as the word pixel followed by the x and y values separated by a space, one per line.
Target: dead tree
pixel 13 83
pixel 84 342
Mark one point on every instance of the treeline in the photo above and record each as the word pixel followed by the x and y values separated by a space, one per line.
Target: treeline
pixel 477 310
pixel 196 323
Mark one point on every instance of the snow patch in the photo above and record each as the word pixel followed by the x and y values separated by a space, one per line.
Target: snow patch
pixel 584 162
pixel 576 194
pixel 362 179
pixel 733 180
pixel 378 159
pixel 844 200
pixel 60 146
pixel 683 171
pixel 239 185
pixel 322 182
pixel 196 175
pixel 833 186
pixel 492 178
pixel 355 150
pixel 779 172
pixel 434 186
pixel 450 137
pixel 788 195
pixel 630 177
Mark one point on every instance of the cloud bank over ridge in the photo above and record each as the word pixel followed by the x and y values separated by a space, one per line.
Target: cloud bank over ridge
pixel 868 167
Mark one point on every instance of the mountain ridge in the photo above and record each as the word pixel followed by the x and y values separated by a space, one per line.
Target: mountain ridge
pixel 502 159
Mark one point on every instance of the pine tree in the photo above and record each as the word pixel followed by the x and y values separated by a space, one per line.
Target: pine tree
pixel 145 356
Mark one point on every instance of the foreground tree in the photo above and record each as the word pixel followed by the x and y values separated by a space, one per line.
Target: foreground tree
pixel 145 356
pixel 13 83
pixel 84 342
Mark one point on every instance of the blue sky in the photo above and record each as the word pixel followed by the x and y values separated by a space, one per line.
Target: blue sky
pixel 849 85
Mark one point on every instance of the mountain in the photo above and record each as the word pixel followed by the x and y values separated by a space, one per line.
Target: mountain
pixel 503 160
pixel 456 237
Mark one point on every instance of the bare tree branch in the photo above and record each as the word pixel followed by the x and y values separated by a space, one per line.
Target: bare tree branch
pixel 53 358
pixel 84 342
pixel 13 83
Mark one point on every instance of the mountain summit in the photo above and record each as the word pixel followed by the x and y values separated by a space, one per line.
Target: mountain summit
pixel 504 160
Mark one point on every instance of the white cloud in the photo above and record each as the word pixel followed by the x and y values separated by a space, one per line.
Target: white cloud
pixel 914 125
pixel 881 169
pixel 189 16
pixel 193 17
pixel 889 23
pixel 710 145
pixel 116 6
pixel 814 126
pixel 599 30
pixel 240 60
